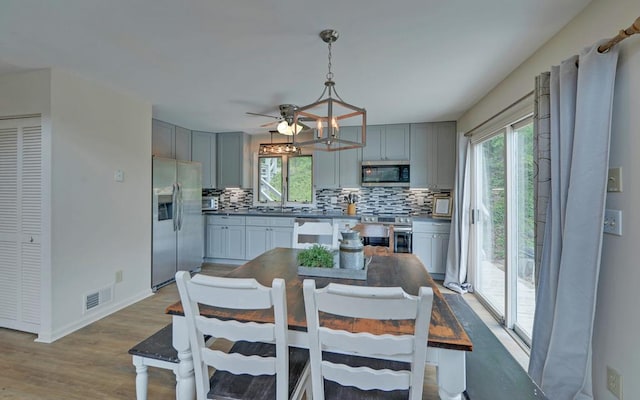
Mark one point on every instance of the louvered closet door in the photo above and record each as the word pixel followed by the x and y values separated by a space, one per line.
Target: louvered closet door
pixel 20 223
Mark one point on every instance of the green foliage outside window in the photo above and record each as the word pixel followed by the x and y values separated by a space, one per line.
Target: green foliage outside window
pixel 298 179
pixel 494 151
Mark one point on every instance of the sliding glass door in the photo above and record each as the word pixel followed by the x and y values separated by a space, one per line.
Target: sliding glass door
pixel 489 220
pixel 521 227
pixel 503 225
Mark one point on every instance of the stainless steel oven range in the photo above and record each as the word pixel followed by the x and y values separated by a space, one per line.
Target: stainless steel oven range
pixel 402 231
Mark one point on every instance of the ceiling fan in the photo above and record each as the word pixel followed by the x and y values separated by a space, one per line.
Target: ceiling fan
pixel 284 123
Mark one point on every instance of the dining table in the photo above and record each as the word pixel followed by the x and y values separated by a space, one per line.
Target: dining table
pixel 447 344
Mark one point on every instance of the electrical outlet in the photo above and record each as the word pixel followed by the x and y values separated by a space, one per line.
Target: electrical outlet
pixel 119 276
pixel 334 200
pixel 613 222
pixel 614 382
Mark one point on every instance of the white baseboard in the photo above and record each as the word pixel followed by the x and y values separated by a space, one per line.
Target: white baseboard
pixel 50 337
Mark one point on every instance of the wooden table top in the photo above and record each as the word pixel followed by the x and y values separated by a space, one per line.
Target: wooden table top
pixel 404 270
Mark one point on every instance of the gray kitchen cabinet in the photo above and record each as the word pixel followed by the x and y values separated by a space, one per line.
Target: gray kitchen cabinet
pixel 325 171
pixel 204 151
pixel 225 237
pixel 433 155
pixel 162 139
pixel 170 141
pixel 183 144
pixel 387 142
pixel 348 170
pixel 266 233
pixel 445 170
pixel 233 160
pixel 430 244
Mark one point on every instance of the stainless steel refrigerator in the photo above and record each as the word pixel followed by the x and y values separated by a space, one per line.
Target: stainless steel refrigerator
pixel 178 224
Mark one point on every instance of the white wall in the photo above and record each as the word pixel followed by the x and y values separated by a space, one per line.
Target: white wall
pixel 617 319
pixel 99 226
pixel 96 226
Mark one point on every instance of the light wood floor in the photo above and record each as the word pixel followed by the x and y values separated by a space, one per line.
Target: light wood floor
pixel 93 363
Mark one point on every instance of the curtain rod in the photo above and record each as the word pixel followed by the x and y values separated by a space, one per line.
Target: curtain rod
pixel 470 131
pixel 622 35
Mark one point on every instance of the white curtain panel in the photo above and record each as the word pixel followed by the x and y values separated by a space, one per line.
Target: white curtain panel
pixel 458 251
pixel 581 100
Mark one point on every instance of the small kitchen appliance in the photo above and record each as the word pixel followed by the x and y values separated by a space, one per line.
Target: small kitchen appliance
pixel 210 202
pixel 385 173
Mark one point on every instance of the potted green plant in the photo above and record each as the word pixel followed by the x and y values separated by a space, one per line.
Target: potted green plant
pixel 316 256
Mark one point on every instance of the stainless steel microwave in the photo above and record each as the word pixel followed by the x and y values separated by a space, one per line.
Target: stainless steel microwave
pixel 385 173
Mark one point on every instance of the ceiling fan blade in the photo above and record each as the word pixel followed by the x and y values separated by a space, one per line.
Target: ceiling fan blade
pixel 261 115
pixel 269 124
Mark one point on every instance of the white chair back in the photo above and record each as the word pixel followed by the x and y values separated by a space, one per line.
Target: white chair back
pixel 309 233
pixel 380 303
pixel 235 293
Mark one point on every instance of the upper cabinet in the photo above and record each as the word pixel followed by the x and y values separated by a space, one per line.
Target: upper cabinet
pixel 170 141
pixel 204 151
pixel 433 155
pixel 325 171
pixel 338 169
pixel 387 142
pixel 349 160
pixel 183 144
pixel 233 160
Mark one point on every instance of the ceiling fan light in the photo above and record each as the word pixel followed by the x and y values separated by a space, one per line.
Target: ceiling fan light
pixel 283 128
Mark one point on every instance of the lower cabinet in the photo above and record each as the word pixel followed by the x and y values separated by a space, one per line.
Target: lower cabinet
pixel 225 237
pixel 265 233
pixel 430 244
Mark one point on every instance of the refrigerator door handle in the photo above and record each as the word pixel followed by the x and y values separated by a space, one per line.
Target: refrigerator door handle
pixel 180 206
pixel 174 201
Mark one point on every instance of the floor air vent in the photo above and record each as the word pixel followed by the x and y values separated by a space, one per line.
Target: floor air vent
pixel 96 299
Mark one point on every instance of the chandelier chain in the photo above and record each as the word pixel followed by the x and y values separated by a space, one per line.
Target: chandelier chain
pixel 329 74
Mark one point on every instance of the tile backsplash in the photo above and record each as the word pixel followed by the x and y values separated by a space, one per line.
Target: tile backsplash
pixel 380 200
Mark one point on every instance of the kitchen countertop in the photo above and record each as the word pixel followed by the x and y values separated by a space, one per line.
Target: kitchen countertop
pixel 309 214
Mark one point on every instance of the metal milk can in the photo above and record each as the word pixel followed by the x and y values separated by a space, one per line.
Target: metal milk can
pixel 351 250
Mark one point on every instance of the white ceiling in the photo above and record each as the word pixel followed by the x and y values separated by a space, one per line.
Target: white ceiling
pixel 204 63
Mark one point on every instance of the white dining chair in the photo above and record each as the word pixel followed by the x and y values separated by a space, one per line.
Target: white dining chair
pixel 309 233
pixel 367 373
pixel 260 365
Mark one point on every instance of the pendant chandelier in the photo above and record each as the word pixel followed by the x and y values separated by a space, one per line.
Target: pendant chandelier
pixel 329 113
pixel 278 149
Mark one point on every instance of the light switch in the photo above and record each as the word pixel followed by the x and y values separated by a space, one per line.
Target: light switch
pixel 614 181
pixel 118 176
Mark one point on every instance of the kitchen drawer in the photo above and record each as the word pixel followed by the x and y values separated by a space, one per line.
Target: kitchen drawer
pixel 270 221
pixel 282 221
pixel 227 220
pixel 431 227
